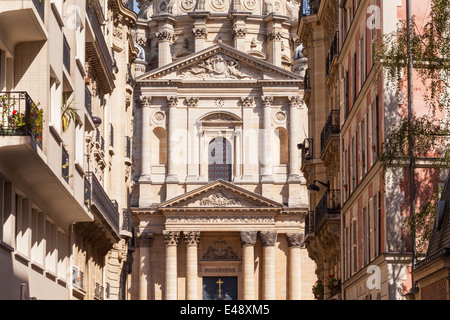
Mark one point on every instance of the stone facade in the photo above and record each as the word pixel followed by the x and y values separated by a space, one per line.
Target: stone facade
pixel 219 114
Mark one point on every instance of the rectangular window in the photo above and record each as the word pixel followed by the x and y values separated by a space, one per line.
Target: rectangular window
pixel 362 151
pixel 365 236
pixel 354 253
pixel 362 64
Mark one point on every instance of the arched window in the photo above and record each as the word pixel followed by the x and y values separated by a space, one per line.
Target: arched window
pixel 159 146
pixel 283 137
pixel 219 159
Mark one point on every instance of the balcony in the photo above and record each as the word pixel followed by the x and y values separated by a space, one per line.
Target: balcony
pixel 22 21
pixel 333 52
pixel 103 206
pixel 96 48
pixel 328 208
pixel 330 130
pixel 78 278
pixel 309 7
pixel 20 116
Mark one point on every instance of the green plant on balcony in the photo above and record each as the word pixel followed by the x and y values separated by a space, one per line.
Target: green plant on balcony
pixel 332 283
pixel 15 121
pixel 318 289
pixel 68 114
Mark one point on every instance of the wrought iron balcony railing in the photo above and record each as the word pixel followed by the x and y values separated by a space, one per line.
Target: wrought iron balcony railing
pixel 77 278
pixel 309 7
pixel 331 127
pixel 329 204
pixel 20 116
pixel 334 50
pixel 103 203
pixel 88 100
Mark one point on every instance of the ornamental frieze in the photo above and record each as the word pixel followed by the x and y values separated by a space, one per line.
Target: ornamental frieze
pixel 219 67
pixel 223 219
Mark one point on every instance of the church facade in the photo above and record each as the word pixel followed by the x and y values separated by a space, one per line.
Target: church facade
pixel 219 202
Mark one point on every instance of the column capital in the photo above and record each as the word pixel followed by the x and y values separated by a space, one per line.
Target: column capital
pixel 294 239
pixel 144 239
pixel 294 101
pixel 191 238
pixel 247 102
pixel 268 238
pixel 267 101
pixel 192 102
pixel 248 237
pixel 165 36
pixel 145 101
pixel 172 101
pixel 171 237
pixel 200 32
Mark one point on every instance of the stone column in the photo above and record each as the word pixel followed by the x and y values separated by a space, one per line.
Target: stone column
pixel 266 157
pixel 146 101
pixel 239 29
pixel 172 175
pixel 165 37
pixel 274 38
pixel 144 242
pixel 191 239
pixel 294 138
pixel 171 278
pixel 248 240
pixel 294 273
pixel 199 29
pixel 237 154
pixel 268 239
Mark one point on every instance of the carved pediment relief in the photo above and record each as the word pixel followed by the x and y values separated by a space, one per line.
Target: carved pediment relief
pixel 222 195
pixel 219 67
pixel 219 62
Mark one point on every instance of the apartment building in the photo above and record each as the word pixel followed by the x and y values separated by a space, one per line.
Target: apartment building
pixel 352 108
pixel 66 81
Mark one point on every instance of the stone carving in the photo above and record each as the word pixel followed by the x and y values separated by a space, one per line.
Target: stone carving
pixel 220 117
pixel 200 33
pixel 218 4
pixel 294 239
pixel 221 253
pixel 250 5
pixel 247 102
pixel 248 237
pixel 222 219
pixel 159 117
pixel 239 32
pixel 144 239
pixel 172 101
pixel 219 200
pixel 187 5
pixel 267 101
pixel 146 101
pixel 274 35
pixel 192 102
pixel 171 237
pixel 165 36
pixel 191 238
pixel 268 238
pixel 295 101
pixel 219 67
pixel 279 117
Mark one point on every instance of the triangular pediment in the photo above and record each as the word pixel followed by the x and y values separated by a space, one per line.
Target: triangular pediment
pixel 218 63
pixel 220 194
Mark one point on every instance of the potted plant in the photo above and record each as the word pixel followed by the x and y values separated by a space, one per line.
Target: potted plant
pixel 318 290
